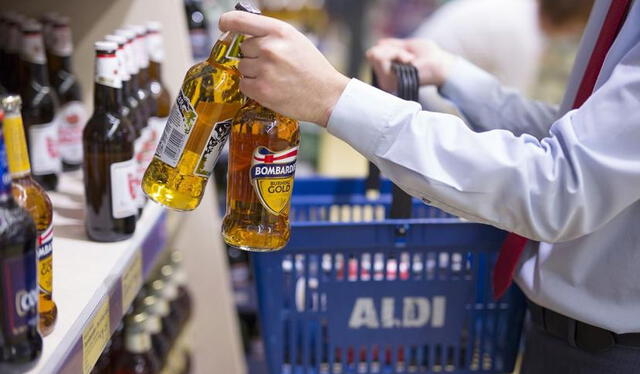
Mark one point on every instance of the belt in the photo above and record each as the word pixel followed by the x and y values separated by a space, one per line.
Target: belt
pixel 579 334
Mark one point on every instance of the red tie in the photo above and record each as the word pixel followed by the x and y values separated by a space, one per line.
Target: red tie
pixel 514 244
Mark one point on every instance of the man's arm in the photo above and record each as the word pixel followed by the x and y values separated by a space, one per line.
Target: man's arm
pixel 559 188
pixel 487 105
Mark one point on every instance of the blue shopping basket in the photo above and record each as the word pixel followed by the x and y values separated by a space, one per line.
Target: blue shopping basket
pixel 354 292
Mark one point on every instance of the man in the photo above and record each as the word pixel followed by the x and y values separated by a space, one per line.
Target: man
pixel 569 179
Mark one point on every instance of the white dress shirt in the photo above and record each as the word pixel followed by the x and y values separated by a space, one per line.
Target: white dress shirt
pixel 568 179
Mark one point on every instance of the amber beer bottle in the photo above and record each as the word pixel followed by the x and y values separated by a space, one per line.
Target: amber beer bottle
pixel 72 115
pixel 109 166
pixel 20 342
pixel 262 162
pixel 39 108
pixel 198 126
pixel 32 197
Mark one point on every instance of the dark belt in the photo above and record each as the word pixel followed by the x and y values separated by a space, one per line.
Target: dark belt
pixel 579 334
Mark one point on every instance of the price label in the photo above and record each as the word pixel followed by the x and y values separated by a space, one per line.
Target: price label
pixel 95 337
pixel 131 281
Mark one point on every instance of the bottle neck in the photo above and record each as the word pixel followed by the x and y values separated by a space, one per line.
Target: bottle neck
pixel 155 71
pixel 143 78
pixel 107 94
pixel 33 72
pixel 107 99
pixel 137 342
pixel 226 51
pixel 18 156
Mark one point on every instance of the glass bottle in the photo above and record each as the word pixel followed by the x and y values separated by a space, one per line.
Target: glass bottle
pixel 39 108
pixel 137 357
pixel 72 116
pixel 109 167
pixel 161 308
pixel 161 345
pixel 20 341
pixel 32 197
pixel 185 299
pixel 11 62
pixel 262 163
pixel 198 127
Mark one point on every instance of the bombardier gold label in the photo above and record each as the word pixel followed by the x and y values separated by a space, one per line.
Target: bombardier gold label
pixel 272 177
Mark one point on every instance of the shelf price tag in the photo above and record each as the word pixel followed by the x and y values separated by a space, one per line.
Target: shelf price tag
pixel 131 281
pixel 95 337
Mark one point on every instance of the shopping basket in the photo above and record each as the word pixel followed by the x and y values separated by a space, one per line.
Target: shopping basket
pixel 354 293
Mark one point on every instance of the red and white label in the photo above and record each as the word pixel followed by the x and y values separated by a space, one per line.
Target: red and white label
pixel 108 70
pixel 124 189
pixel 72 119
pixel 44 148
pixel 61 41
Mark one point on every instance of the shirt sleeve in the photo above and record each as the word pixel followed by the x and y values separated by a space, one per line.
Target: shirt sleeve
pixel 569 184
pixel 487 105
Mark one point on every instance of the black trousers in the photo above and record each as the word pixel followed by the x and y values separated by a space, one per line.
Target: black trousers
pixel 546 354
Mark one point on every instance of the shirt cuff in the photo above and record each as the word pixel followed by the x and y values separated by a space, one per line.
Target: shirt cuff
pixel 467 84
pixel 362 115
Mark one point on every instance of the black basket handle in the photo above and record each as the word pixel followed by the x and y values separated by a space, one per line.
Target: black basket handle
pixel 408 89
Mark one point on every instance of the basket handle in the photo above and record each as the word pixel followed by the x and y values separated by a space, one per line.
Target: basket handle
pixel 408 89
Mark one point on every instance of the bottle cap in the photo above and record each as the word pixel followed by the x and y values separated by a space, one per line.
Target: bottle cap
pixel 61 21
pixel 105 46
pixel 134 323
pixel 148 305
pixel 247 6
pixel 129 34
pixel 121 40
pixel 138 29
pixel 11 103
pixel 30 25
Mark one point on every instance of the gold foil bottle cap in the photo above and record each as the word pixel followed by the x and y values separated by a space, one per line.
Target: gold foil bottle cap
pixel 11 103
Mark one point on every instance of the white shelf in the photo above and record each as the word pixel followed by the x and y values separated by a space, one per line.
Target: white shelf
pixel 88 274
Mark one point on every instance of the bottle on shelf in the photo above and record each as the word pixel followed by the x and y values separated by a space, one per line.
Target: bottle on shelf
pixel 158 288
pixel 32 197
pixel 161 345
pixel 185 300
pixel 11 63
pixel 137 357
pixel 20 341
pixel 198 29
pixel 198 127
pixel 46 20
pixel 159 93
pixel 72 115
pixel 109 165
pixel 39 109
pixel 262 164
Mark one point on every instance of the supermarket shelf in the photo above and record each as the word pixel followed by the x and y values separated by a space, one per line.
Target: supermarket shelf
pixel 94 283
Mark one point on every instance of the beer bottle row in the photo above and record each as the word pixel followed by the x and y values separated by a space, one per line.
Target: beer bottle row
pixel 131 105
pixel 262 155
pixel 35 62
pixel 154 336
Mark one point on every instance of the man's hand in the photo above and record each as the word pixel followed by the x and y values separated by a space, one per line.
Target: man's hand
pixel 432 62
pixel 283 70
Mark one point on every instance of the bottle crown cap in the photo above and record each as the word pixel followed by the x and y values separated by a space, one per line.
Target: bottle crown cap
pixel 154 26
pixel 121 40
pixel 11 103
pixel 104 45
pixel 30 25
pixel 139 30
pixel 126 33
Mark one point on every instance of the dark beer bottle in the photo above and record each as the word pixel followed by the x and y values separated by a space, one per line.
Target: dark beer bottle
pixel 12 53
pixel 72 114
pixel 137 357
pixel 32 197
pixel 39 108
pixel 109 167
pixel 20 342
pixel 161 346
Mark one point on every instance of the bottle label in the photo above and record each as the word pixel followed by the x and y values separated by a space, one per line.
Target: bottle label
pixel 18 158
pixel 44 254
pixel 32 49
pixel 61 44
pixel 124 187
pixel 155 47
pixel 176 132
pixel 72 118
pixel 272 177
pixel 156 128
pixel 20 290
pixel 43 148
pixel 107 73
pixel 141 166
pixel 211 152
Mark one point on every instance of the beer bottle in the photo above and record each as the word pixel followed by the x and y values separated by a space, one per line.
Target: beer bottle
pixel 129 86
pixel 39 108
pixel 161 346
pixel 198 126
pixel 262 163
pixel 109 167
pixel 130 110
pixel 47 20
pixel 32 197
pixel 184 295
pixel 137 357
pixel 12 53
pixel 160 95
pixel 20 342
pixel 72 114
pixel 162 308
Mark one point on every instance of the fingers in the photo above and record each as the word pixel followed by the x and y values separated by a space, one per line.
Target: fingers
pixel 249 68
pixel 249 24
pixel 251 47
